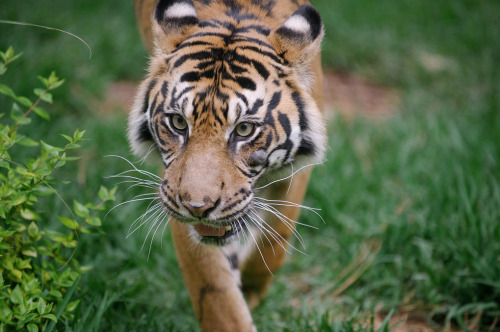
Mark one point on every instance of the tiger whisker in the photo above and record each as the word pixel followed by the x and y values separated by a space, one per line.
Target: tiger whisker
pixel 287 203
pixel 276 212
pixel 133 178
pixel 242 235
pixel 149 209
pixel 156 230
pixel 260 252
pixel 288 224
pixel 150 149
pixel 260 226
pixel 169 216
pixel 153 176
pixel 132 171
pixel 145 221
pixel 273 202
pixel 278 237
pixel 129 201
pixel 287 177
pixel 291 180
pixel 157 218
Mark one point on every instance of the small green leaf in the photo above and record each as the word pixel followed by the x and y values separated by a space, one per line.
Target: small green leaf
pixel 49 148
pixel 15 57
pixel 28 214
pixel 69 138
pixel 53 78
pixel 16 296
pixel 25 264
pixel 33 230
pixel 94 221
pixel 28 142
pixel 85 268
pixel 24 101
pixel 9 53
pixel 32 327
pixel 38 92
pixel 19 199
pixel 56 293
pixel 4 89
pixel 78 134
pixel 27 317
pixel 72 305
pixel 70 223
pixel 46 97
pixel 51 317
pixel 41 112
pixel 16 275
pixel 30 252
pixel 107 195
pixel 80 209
pixel 44 81
pixel 56 84
pixel 40 306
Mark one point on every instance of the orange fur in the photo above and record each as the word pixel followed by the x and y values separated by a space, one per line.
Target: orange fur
pixel 216 298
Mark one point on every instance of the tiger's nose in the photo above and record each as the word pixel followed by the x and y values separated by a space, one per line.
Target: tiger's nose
pixel 197 209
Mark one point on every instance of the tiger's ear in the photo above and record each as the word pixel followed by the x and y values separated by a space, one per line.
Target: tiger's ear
pixel 172 23
pixel 298 40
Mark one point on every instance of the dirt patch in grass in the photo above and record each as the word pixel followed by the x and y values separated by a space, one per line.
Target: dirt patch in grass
pixel 350 94
pixel 119 97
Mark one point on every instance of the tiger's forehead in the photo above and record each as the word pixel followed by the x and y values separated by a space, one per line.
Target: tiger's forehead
pixel 222 70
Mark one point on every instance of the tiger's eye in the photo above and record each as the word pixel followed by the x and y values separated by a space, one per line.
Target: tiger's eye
pixel 179 122
pixel 244 129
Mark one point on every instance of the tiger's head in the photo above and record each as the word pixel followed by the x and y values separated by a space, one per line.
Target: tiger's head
pixel 226 104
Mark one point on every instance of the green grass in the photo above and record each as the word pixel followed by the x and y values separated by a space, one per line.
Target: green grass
pixel 411 203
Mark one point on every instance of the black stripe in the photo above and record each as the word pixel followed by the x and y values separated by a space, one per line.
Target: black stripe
pixel 285 123
pixel 233 261
pixel 303 121
pixel 306 148
pixel 275 100
pixel 246 83
pixel 150 87
pixel 257 28
pixel 193 43
pixel 144 132
pixel 261 69
pixel 192 76
pixel 193 56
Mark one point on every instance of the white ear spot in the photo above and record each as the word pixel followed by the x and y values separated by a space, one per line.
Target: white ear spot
pixel 297 23
pixel 178 10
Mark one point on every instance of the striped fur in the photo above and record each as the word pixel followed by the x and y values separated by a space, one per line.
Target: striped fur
pixel 230 104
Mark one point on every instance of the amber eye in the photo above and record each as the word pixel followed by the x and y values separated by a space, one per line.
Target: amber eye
pixel 179 122
pixel 244 129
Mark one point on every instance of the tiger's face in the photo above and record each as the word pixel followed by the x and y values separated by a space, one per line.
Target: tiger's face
pixel 227 106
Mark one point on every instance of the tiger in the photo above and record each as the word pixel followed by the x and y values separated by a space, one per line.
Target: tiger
pixel 231 105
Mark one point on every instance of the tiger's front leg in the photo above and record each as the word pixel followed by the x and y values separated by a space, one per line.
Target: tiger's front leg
pixel 270 251
pixel 217 300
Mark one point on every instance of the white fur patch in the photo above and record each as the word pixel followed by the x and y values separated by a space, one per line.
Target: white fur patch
pixel 178 10
pixel 297 23
pixel 277 158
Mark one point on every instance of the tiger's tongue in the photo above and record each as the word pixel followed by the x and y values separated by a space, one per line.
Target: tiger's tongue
pixel 204 230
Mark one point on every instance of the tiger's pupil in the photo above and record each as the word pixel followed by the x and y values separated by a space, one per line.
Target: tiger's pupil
pixel 244 129
pixel 179 122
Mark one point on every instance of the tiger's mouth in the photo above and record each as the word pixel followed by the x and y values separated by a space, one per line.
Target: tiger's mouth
pixel 218 235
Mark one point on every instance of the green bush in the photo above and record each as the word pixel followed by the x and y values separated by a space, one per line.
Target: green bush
pixel 38 268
